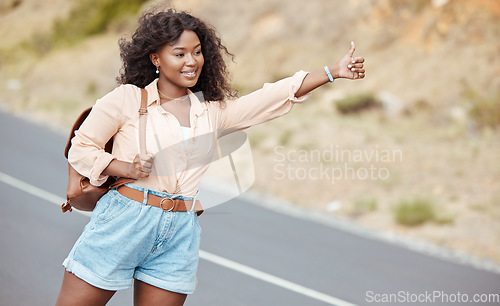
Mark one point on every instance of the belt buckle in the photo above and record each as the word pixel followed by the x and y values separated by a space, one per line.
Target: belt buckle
pixel 173 204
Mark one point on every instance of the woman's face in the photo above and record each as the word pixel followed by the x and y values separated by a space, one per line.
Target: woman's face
pixel 180 63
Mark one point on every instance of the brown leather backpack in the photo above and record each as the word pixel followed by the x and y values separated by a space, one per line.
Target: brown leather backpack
pixel 80 194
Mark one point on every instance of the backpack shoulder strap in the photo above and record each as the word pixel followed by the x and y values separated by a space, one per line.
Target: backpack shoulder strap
pixel 143 112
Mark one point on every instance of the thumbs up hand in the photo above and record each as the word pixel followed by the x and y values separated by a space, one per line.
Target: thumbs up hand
pixel 351 67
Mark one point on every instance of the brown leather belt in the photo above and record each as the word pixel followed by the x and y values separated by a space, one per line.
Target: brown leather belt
pixel 166 204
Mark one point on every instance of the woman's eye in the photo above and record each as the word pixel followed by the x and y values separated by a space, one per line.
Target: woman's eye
pixel 198 52
pixel 179 55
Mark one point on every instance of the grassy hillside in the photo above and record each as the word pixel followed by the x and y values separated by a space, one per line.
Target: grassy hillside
pixel 432 67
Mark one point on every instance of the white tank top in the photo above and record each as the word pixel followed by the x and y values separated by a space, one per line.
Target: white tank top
pixel 185 134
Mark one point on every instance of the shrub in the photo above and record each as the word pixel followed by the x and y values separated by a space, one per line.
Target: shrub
pixel 416 212
pixel 364 205
pixel 485 106
pixel 90 17
pixel 285 137
pixel 357 103
pixel 486 110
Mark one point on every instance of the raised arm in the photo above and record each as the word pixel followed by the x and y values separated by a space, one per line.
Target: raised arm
pixel 276 99
pixel 348 67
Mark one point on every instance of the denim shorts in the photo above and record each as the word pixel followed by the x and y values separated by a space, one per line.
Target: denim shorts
pixel 127 240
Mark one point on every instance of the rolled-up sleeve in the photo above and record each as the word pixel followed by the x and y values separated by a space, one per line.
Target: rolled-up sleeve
pixel 87 155
pixel 271 101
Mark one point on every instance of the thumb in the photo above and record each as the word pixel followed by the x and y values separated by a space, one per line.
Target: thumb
pixel 351 51
pixel 137 159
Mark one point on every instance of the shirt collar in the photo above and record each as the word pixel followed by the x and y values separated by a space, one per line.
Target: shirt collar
pixel 196 105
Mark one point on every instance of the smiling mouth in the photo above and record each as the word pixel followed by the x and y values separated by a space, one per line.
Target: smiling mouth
pixel 189 74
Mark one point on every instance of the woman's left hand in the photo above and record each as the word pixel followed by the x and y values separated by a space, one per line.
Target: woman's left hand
pixel 351 67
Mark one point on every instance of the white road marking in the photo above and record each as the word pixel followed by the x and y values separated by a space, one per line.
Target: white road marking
pixel 50 197
pixel 272 279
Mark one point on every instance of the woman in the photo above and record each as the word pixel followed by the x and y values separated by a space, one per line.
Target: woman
pixel 147 233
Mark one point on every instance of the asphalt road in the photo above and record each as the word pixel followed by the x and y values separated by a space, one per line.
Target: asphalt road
pixel 250 255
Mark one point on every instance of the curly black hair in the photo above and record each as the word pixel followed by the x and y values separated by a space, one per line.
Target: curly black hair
pixel 159 28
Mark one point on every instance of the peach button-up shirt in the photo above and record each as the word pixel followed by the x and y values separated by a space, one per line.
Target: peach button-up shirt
pixel 177 168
